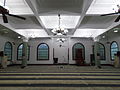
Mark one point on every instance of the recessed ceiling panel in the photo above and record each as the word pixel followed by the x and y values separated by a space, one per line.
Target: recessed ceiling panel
pixel 59 5
pixel 97 22
pixel 102 6
pixel 30 23
pixel 65 21
pixel 88 32
pixel 17 6
pixel 8 32
pixel 32 33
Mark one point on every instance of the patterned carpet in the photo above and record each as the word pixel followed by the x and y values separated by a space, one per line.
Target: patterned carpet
pixel 57 77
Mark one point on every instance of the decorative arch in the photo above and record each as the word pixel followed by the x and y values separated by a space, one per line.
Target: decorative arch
pixel 113 49
pixel 78 46
pixel 8 50
pixel 20 52
pixel 42 51
pixel 102 51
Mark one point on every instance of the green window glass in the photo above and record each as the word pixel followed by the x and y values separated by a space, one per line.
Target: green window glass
pixel 20 51
pixel 102 51
pixel 113 49
pixel 78 46
pixel 43 52
pixel 8 50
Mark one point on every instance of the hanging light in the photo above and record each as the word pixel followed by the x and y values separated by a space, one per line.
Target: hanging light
pixel 59 30
pixel 116 8
pixel 61 40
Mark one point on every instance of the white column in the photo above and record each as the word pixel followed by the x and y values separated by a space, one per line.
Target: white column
pixel 97 53
pixel 25 46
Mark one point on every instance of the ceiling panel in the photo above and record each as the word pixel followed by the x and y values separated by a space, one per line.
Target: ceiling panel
pixel 30 23
pixel 32 33
pixel 7 32
pixel 17 7
pixel 102 6
pixel 88 32
pixel 97 22
pixel 73 6
pixel 65 21
pixel 73 13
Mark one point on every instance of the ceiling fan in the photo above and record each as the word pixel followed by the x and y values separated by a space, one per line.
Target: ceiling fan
pixel 5 12
pixel 118 12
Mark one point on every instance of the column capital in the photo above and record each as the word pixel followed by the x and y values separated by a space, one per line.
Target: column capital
pixel 25 39
pixel 96 39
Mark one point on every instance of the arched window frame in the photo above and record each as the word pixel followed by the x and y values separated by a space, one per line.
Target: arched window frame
pixel 38 53
pixel 103 58
pixel 112 58
pixel 18 53
pixel 10 50
pixel 83 51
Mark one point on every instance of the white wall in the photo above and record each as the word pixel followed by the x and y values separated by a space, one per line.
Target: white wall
pixel 3 40
pixel 59 52
pixel 112 37
pixel 107 51
pixel 33 51
pixel 88 48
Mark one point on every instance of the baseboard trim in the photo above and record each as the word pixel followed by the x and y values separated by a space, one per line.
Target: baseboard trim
pixel 61 64
pixel 107 65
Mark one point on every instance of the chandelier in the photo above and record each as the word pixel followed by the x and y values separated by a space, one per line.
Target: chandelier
pixel 59 30
pixel 61 40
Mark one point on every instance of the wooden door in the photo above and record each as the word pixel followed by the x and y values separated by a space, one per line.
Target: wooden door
pixel 79 56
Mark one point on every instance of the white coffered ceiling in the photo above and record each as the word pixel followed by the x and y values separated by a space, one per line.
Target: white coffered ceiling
pixel 51 22
pixel 81 17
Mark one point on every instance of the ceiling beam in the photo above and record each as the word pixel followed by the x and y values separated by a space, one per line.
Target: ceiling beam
pixel 32 5
pixel 114 24
pixel 86 5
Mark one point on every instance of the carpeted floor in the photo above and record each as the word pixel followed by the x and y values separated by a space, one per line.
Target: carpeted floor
pixel 60 77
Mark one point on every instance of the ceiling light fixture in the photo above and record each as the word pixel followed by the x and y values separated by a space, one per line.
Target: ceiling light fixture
pixel 61 40
pixel 115 30
pixel 103 36
pixel 116 7
pixel 59 30
pixel 19 36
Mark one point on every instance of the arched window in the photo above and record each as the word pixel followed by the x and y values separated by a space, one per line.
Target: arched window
pixel 8 50
pixel 102 51
pixel 43 52
pixel 78 48
pixel 20 51
pixel 113 49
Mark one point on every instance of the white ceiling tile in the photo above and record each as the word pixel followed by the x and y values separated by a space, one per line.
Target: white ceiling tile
pixel 32 33
pixel 17 7
pixel 88 32
pixel 102 6
pixel 65 21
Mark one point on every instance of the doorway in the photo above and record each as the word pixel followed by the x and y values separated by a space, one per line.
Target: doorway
pixel 78 53
pixel 79 56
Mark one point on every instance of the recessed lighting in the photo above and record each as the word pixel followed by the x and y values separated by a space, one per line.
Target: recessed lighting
pixel 19 37
pixel 116 29
pixel 103 36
